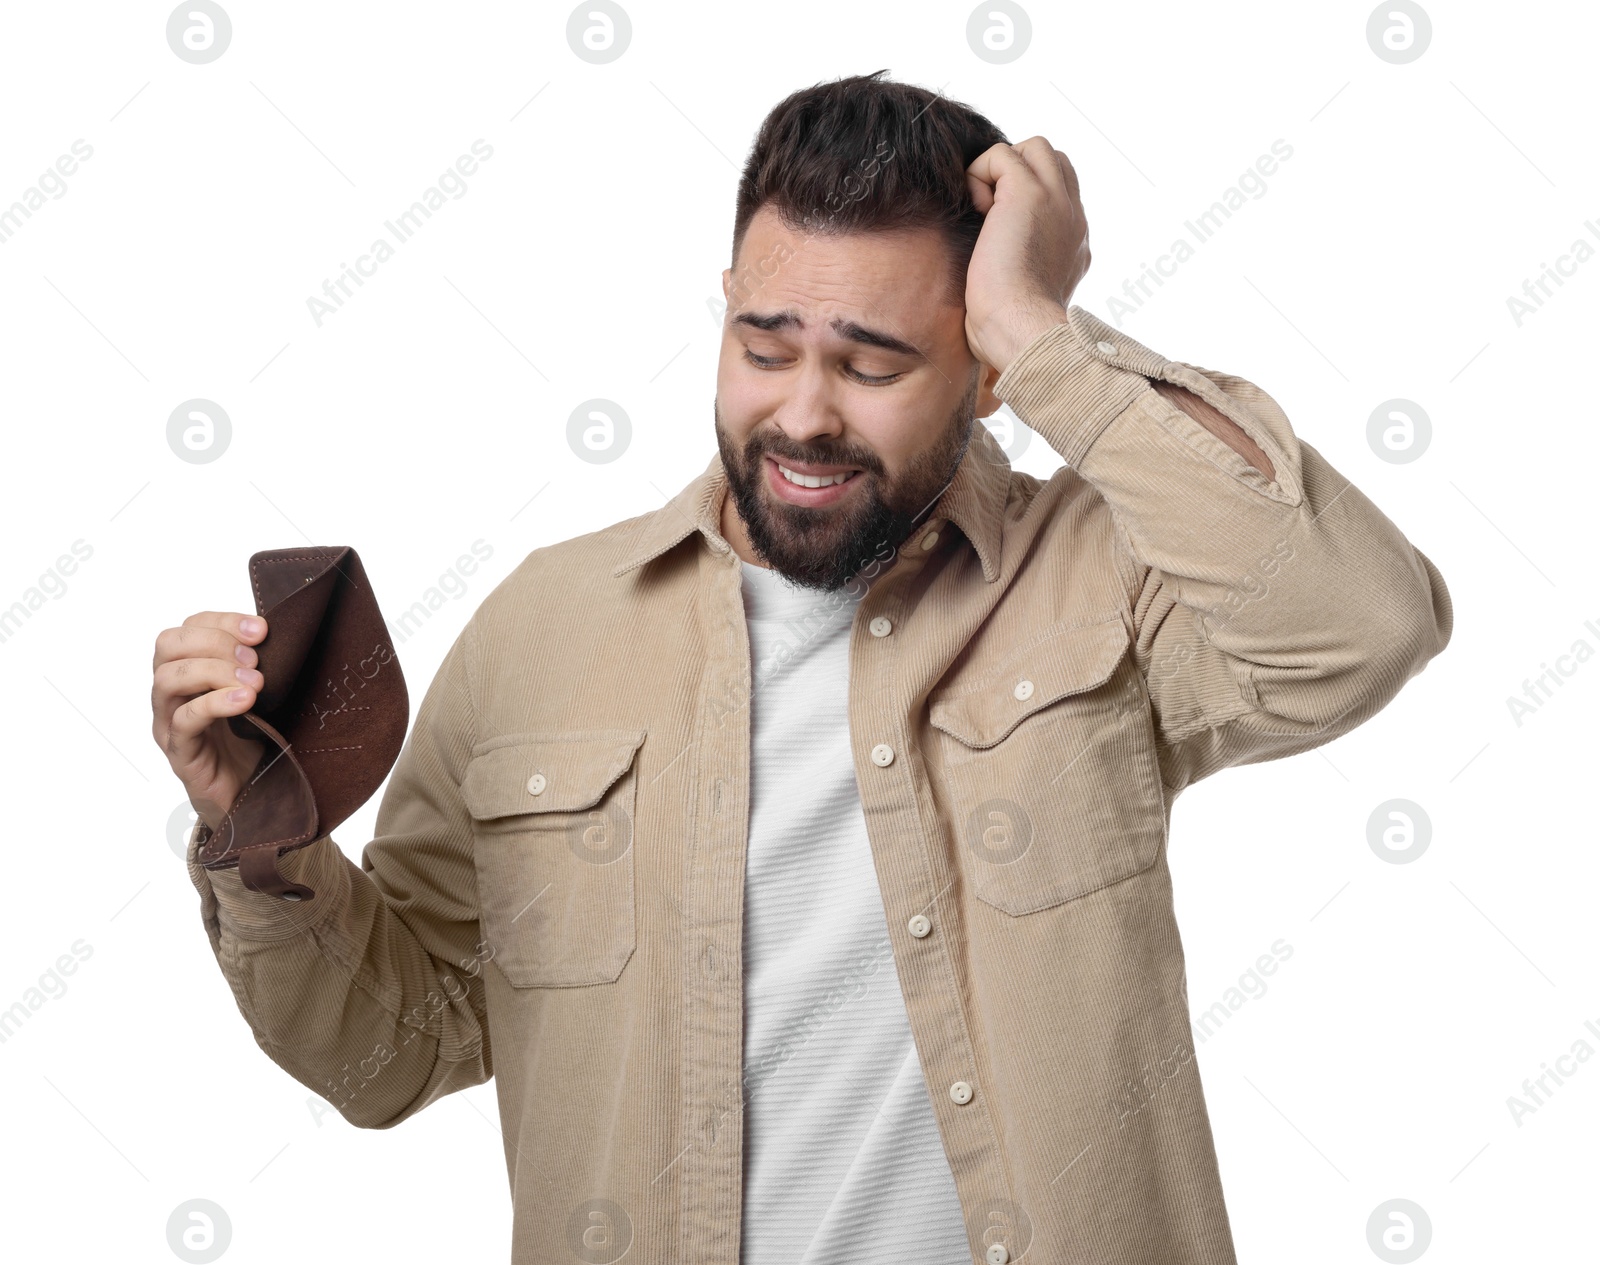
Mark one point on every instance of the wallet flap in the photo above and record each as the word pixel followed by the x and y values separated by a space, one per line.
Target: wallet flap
pixel 278 573
pixel 276 809
pixel 293 590
pixel 332 713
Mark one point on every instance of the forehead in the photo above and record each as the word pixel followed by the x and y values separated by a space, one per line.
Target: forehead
pixel 901 273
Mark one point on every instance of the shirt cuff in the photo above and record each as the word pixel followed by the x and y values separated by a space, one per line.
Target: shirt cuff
pixel 225 900
pixel 1073 380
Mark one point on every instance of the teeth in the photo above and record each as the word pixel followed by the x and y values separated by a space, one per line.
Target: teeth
pixel 815 480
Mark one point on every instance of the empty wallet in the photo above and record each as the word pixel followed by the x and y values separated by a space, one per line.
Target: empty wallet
pixel 332 714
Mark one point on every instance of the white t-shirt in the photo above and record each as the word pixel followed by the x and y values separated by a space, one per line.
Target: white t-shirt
pixel 843 1161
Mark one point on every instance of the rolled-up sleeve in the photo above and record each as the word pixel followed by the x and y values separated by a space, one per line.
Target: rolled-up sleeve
pixel 1269 615
pixel 371 994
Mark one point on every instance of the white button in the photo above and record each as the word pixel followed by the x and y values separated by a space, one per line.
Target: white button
pixel 883 754
pixel 996 1254
pixel 1024 690
pixel 961 1092
pixel 1105 348
pixel 536 784
pixel 880 627
pixel 930 540
pixel 919 925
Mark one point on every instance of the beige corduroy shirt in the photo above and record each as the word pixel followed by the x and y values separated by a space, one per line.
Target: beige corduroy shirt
pixel 555 893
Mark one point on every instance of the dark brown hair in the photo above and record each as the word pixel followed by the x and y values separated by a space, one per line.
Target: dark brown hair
pixel 863 154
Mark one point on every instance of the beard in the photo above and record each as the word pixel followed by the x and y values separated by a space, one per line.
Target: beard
pixel 823 547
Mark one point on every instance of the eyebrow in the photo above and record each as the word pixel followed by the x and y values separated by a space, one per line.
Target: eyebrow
pixel 851 331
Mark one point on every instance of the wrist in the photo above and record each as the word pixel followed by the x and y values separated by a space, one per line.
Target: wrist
pixel 1004 336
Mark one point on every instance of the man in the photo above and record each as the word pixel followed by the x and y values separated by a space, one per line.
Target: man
pixel 795 854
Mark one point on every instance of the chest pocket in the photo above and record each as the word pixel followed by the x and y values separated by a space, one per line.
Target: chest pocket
pixel 1050 769
pixel 553 836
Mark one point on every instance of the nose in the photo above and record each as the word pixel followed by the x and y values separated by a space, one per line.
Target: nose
pixel 810 412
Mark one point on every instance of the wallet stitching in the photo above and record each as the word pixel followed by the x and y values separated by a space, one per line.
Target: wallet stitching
pixel 270 843
pixel 255 569
pixel 255 584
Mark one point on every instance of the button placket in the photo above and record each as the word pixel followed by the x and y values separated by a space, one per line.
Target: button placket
pixel 710 1157
pixel 926 970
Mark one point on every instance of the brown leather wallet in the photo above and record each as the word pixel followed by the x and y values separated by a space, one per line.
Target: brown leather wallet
pixel 332 713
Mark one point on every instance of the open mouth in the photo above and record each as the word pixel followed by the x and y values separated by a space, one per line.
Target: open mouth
pixel 798 487
pixel 815 480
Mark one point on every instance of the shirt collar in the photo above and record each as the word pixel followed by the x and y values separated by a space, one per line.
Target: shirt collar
pixel 974 500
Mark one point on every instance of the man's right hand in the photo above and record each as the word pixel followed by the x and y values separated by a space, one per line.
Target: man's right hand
pixel 205 672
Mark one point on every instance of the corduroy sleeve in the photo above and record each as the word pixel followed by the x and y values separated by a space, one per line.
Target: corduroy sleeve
pixel 372 993
pixel 1270 615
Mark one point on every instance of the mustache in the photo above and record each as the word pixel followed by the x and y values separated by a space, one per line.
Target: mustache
pixel 757 447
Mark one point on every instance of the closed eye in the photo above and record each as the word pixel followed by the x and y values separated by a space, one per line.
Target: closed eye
pixel 768 362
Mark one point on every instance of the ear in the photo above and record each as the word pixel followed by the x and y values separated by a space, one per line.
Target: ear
pixel 987 401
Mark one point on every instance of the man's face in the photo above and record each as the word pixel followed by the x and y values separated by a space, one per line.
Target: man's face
pixel 841 356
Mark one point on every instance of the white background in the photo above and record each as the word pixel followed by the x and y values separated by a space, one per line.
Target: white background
pixel 430 412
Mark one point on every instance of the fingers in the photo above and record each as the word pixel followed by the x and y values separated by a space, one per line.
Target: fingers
pixel 214 634
pixel 1069 173
pixel 1034 157
pixel 203 670
pixel 178 680
pixel 1042 162
pixel 1056 172
pixel 1053 168
pixel 181 735
pixel 986 170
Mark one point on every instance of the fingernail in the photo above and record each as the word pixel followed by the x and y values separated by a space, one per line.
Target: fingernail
pixel 245 655
pixel 238 696
pixel 250 626
pixel 247 675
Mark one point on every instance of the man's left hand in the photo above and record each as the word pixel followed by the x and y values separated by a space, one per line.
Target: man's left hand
pixel 1032 251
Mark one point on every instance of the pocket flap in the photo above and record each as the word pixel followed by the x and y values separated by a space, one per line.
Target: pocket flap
pixel 1067 660
pixel 570 771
